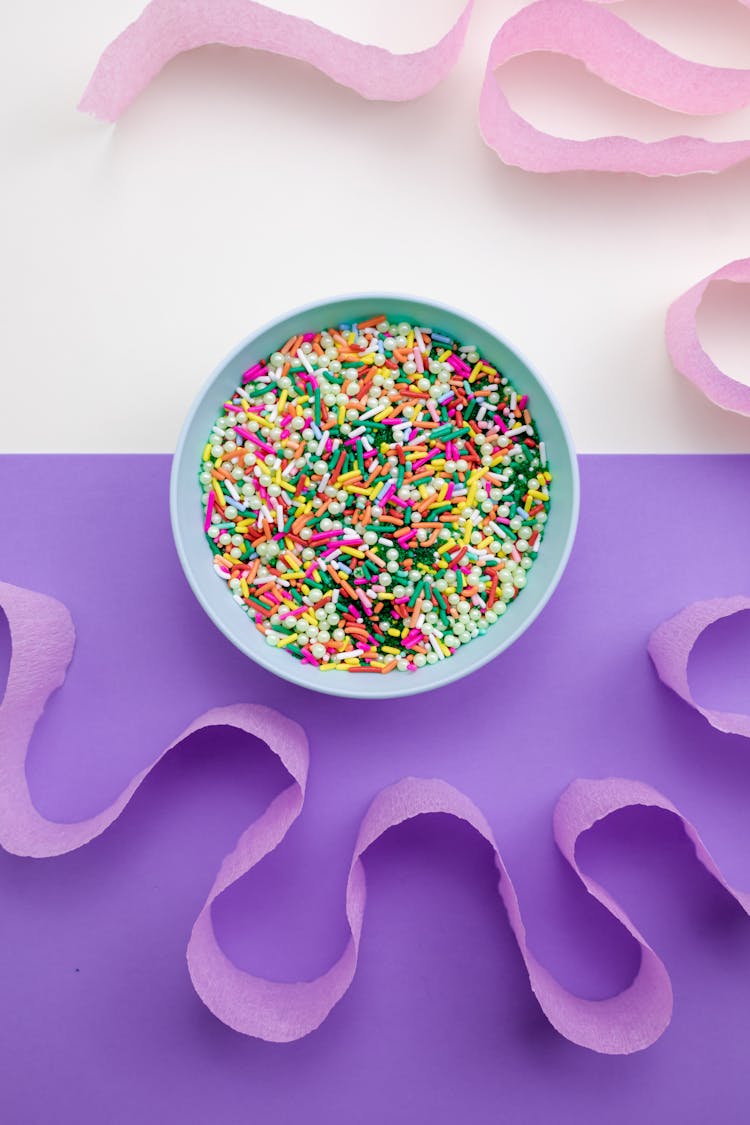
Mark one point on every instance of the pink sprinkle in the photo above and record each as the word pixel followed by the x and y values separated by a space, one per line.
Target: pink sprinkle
pixel 251 437
pixel 324 536
pixel 416 355
pixel 209 510
pixel 254 372
pixel 424 460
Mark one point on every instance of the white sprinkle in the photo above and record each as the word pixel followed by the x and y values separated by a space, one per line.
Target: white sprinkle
pixel 305 361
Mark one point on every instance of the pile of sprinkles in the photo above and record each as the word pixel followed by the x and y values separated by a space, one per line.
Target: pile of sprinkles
pixel 374 495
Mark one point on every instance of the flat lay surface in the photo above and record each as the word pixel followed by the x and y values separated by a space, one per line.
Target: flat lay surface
pixel 94 941
pixel 237 186
pixel 142 252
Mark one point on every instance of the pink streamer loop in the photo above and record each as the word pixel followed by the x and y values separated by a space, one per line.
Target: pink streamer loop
pixel 685 348
pixel 42 637
pixel 608 46
pixel 673 641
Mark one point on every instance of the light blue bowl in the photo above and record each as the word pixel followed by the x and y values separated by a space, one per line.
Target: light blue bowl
pixel 195 553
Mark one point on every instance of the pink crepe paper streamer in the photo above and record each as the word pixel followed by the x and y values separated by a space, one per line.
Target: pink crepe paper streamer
pixel 673 641
pixel 685 348
pixel 622 57
pixel 166 28
pixel 42 637
pixel 582 29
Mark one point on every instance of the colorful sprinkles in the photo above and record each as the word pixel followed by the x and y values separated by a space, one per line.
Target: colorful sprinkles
pixel 374 495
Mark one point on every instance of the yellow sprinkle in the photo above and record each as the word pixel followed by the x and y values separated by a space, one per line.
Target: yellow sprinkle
pixel 353 550
pixel 394 633
pixel 447 546
pixel 383 414
pixel 282 399
pixel 286 640
pixel 244 588
pixel 476 370
pixel 341 414
pixel 219 494
pixel 444 355
pixel 353 474
pixel 207 452
pixel 393 651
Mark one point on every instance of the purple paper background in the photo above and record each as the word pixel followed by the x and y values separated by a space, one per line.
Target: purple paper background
pixel 98 1020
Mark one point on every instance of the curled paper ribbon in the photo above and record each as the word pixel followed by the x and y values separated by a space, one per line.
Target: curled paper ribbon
pixel 166 28
pixel 622 57
pixel 582 29
pixel 42 638
pixel 685 348
pixel 673 641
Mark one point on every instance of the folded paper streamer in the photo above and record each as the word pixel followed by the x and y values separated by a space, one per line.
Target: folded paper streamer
pixel 42 639
pixel 582 29
pixel 685 348
pixel 673 641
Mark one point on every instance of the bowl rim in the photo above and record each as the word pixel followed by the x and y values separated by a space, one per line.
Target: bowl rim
pixel 407 685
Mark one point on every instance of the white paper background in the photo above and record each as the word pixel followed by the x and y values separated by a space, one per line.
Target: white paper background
pixel 240 184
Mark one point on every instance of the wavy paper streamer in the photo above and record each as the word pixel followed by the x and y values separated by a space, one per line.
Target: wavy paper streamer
pixel 582 29
pixel 42 638
pixel 622 57
pixel 686 351
pixel 673 641
pixel 166 28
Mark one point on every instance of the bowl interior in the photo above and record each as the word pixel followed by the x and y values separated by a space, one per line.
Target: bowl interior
pixel 195 553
